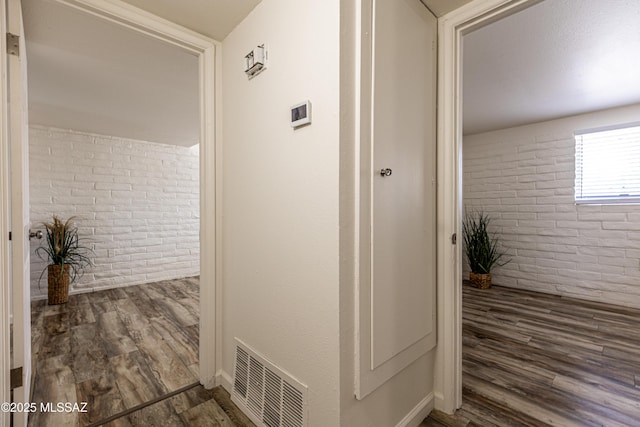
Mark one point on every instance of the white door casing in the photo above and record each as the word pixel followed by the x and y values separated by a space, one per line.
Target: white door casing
pixel 451 29
pixel 19 181
pixel 5 254
pixel 396 317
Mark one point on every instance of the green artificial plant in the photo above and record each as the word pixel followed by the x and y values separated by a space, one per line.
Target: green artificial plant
pixel 480 246
pixel 63 247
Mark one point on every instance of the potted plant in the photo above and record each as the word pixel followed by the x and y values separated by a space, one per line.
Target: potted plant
pixel 481 248
pixel 68 258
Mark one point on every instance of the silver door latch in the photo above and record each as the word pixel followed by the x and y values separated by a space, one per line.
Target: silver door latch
pixel 385 172
pixel 36 234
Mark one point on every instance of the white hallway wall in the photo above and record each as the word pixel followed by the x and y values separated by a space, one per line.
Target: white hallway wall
pixel 281 192
pixel 288 287
pixel 135 201
pixel 524 177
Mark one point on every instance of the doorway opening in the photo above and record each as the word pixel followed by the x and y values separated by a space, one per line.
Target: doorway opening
pixel 557 145
pixel 174 184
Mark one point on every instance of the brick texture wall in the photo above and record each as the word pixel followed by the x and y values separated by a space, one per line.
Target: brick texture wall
pixel 136 203
pixel 524 177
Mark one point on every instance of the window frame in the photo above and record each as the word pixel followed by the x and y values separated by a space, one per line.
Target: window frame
pixel 579 170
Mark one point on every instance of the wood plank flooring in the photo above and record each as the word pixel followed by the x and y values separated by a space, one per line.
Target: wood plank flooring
pixel 120 348
pixel 529 359
pixel 532 359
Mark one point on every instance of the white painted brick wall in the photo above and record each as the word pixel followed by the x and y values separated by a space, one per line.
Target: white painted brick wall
pixel 524 178
pixel 136 202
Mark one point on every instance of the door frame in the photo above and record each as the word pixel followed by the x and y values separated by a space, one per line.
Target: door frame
pixel 451 28
pixel 5 226
pixel 208 52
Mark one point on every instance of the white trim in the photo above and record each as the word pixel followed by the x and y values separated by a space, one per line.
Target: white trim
pixel 635 200
pixel 209 52
pixel 19 211
pixel 419 412
pixel 215 108
pixel 225 380
pixel 142 21
pixel 451 28
pixel 81 291
pixel 5 260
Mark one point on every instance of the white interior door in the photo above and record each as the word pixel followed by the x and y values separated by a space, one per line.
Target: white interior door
pixel 397 317
pixel 19 203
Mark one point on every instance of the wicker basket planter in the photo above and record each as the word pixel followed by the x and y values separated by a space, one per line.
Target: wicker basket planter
pixel 58 281
pixel 482 281
pixel 63 248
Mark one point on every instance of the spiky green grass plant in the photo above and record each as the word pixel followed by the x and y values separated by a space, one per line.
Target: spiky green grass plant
pixel 481 248
pixel 63 248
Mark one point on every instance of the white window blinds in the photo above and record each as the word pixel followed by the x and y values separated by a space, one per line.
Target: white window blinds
pixel 608 166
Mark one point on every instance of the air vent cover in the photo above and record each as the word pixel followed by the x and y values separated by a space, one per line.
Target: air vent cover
pixel 268 395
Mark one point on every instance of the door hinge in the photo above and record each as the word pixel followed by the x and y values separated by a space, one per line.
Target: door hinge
pixel 13 44
pixel 15 380
pixel 9 235
pixel 454 238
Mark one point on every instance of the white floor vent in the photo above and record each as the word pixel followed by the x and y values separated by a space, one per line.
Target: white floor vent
pixel 268 395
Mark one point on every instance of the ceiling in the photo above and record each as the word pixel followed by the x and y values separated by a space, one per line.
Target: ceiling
pixel 440 7
pixel 91 75
pixel 555 59
pixel 213 18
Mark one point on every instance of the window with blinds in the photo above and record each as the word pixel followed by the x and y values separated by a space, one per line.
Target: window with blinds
pixel 608 165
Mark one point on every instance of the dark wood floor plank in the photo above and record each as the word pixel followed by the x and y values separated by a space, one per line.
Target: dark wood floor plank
pixel 172 289
pixel 481 409
pixel 135 380
pixel 206 414
pixel 174 312
pixel 89 358
pixel 440 419
pixel 102 396
pixel 81 314
pixel 116 294
pixel 181 340
pixel 130 315
pixel 190 398
pixel 615 378
pixel 160 414
pixel 101 307
pixel 121 348
pixel 56 339
pixel 54 382
pixel 145 305
pixel 166 365
pixel 191 305
pixel 532 359
pixel 115 336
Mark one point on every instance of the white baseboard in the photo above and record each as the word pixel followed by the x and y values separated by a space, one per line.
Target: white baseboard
pixel 439 401
pixel 442 405
pixel 418 413
pixel 209 383
pixel 39 297
pixel 225 380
